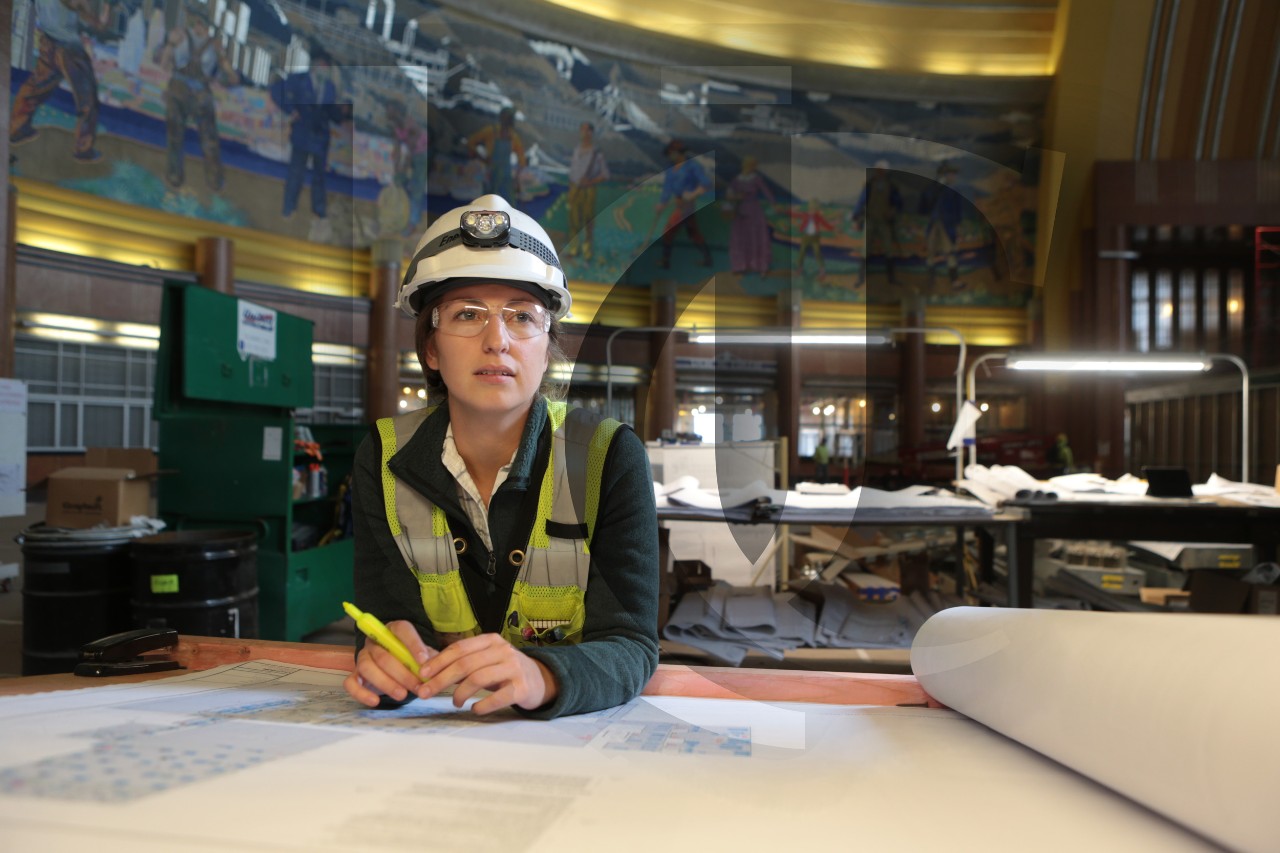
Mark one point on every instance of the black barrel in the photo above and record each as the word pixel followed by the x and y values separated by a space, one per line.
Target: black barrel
pixel 75 589
pixel 200 582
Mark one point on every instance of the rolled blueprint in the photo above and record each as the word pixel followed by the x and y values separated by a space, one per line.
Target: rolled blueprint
pixel 1178 712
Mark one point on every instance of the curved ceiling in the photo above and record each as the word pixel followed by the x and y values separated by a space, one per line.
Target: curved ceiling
pixel 992 38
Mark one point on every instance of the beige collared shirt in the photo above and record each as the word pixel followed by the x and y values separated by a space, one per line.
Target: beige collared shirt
pixel 468 494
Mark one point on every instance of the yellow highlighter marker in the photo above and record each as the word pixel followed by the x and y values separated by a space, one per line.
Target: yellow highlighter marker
pixel 382 635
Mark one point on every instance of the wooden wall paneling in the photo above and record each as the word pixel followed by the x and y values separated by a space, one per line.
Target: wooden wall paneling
pixel 1273 434
pixel 1137 414
pixel 1148 451
pixel 1177 448
pixel 1221 436
pixel 1165 416
pixel 1261 411
pixel 1193 426
pixel 1208 436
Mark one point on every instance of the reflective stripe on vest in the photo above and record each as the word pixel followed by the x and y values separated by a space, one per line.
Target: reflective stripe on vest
pixel 547 602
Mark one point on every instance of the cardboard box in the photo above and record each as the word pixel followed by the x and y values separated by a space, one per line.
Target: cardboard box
pixel 87 497
pixel 1164 596
pixel 1265 599
pixel 141 460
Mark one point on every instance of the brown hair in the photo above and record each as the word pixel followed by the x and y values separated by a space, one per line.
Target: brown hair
pixel 423 331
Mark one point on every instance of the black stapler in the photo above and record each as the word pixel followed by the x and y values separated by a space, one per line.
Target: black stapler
pixel 120 654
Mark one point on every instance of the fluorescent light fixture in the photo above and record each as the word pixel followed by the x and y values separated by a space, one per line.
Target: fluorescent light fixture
pixel 765 337
pixel 1126 363
pixel 138 330
pixel 1108 363
pixel 64 321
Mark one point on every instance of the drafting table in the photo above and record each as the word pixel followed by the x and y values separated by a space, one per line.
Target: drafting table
pixel 846 518
pixel 706 682
pixel 267 755
pixel 1158 519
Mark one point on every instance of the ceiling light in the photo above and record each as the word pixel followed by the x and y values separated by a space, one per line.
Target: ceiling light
pixel 1112 363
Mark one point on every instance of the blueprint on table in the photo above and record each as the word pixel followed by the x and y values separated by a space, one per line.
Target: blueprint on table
pixel 273 756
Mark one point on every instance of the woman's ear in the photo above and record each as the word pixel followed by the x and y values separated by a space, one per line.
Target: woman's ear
pixel 430 355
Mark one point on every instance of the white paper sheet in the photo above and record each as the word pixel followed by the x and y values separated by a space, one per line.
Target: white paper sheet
pixel 272 757
pixel 1176 711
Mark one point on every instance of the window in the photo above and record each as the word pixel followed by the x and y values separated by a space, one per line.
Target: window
pixel 86 395
pixel 339 395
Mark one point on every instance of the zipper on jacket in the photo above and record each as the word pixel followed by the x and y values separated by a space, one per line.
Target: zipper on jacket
pixel 493 565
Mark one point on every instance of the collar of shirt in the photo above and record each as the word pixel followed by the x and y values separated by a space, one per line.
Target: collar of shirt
pixel 468 494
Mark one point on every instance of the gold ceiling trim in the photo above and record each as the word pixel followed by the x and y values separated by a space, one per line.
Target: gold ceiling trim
pixel 630 307
pixel 61 220
pixel 990 39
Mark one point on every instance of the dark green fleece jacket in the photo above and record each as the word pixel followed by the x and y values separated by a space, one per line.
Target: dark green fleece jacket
pixel 619 648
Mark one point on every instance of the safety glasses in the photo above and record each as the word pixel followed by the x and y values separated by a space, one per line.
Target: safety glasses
pixel 464 318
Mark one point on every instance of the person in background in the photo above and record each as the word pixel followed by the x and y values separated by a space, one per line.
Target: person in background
pixel 587 168
pixel 682 184
pixel 502 146
pixel 310 100
pixel 510 542
pixel 821 460
pixel 1059 456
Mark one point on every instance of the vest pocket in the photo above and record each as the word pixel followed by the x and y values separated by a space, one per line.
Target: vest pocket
pixel 545 615
pixel 445 601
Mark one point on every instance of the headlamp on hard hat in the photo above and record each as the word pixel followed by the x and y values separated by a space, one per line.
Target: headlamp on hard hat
pixel 485 228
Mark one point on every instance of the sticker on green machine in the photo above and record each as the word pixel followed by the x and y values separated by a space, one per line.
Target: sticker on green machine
pixel 164 583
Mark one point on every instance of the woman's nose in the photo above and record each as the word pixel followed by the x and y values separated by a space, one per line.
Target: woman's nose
pixel 495 335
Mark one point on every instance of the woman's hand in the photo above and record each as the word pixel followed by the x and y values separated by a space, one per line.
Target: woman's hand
pixel 378 673
pixel 488 662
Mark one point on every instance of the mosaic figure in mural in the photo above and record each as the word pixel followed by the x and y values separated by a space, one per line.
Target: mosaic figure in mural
pixel 681 186
pixel 750 248
pixel 194 56
pixel 945 210
pixel 503 154
pixel 410 161
pixel 587 168
pixel 310 100
pixel 62 55
pixel 810 223
pixel 877 208
pixel 1004 211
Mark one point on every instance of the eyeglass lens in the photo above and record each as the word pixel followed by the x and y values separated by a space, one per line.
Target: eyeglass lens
pixel 468 319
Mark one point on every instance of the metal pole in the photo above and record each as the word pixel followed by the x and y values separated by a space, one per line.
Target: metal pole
pixel 1244 409
pixel 971 380
pixel 608 358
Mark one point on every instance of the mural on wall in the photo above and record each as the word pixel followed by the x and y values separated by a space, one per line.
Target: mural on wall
pixel 344 124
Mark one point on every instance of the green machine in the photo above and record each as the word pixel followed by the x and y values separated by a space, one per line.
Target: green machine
pixel 229 375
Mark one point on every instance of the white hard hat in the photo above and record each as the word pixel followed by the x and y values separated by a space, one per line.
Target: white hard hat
pixel 487 239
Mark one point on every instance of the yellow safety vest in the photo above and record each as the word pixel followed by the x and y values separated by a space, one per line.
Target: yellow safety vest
pixel 547 604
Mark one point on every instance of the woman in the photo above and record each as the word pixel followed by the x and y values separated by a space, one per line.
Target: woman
pixel 510 543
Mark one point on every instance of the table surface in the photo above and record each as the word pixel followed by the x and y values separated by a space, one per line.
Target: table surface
pixel 705 682
pixel 789 515
pixel 1171 520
